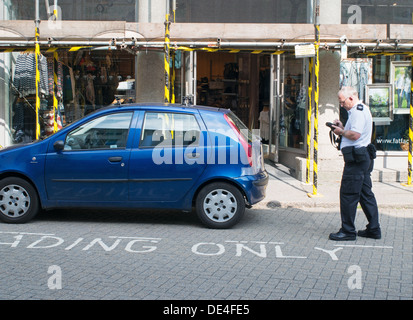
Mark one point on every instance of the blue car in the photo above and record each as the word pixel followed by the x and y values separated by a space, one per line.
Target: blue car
pixel 139 156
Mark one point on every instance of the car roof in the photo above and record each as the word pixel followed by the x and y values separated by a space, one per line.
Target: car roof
pixel 167 106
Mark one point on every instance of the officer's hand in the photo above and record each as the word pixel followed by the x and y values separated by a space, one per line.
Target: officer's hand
pixel 338 124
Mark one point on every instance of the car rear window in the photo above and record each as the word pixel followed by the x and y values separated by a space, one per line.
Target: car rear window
pixel 242 128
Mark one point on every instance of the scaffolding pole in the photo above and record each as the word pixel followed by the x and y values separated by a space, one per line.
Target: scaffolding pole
pixel 409 157
pixel 316 96
pixel 55 88
pixel 210 45
pixel 167 57
pixel 309 114
pixel 37 55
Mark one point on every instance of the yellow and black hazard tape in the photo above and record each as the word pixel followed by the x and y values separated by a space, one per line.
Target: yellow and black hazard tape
pixel 37 55
pixel 26 49
pixel 229 50
pixel 166 58
pixel 55 84
pixel 309 114
pixel 372 54
pixel 316 104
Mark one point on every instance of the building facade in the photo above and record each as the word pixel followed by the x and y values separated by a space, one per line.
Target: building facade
pixel 238 54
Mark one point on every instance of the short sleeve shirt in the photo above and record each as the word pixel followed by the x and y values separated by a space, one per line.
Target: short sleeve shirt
pixel 359 120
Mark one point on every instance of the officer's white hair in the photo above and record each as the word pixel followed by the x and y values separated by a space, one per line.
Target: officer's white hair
pixel 348 92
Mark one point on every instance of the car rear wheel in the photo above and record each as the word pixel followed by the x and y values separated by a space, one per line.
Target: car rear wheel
pixel 220 205
pixel 18 200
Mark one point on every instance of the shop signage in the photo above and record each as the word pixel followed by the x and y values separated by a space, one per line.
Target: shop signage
pixel 304 51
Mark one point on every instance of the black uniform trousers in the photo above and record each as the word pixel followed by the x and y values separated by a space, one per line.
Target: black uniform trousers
pixel 356 188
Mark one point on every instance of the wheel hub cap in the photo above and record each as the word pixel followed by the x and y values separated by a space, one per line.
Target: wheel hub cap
pixel 14 201
pixel 220 205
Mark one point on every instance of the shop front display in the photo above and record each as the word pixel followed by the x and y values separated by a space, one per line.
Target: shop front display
pixel 234 81
pixel 80 82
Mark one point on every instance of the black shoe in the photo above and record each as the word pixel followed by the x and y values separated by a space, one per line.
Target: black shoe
pixel 369 234
pixel 341 236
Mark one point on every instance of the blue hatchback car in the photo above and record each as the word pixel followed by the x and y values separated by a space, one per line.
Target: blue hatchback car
pixel 139 156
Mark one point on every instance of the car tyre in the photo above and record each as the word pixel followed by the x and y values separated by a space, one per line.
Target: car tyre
pixel 220 205
pixel 18 200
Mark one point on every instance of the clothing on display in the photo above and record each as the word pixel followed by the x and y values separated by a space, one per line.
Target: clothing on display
pixel 264 120
pixel 24 107
pixel 25 75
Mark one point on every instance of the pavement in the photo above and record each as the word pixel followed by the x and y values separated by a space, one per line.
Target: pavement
pixel 279 251
pixel 286 191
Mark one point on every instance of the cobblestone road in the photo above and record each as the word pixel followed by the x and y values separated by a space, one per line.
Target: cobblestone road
pixel 273 254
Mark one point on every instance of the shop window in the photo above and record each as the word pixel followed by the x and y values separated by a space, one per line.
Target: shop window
pixel 394 71
pixel 242 11
pixel 107 132
pixel 293 114
pixel 169 129
pixel 94 10
pixel 395 136
pixel 377 12
pixel 86 81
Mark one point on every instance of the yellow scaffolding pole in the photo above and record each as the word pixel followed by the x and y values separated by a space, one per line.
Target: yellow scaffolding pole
pixel 316 103
pixel 37 55
pixel 173 79
pixel 409 158
pixel 309 114
pixel 167 47
pixel 55 101
pixel 316 99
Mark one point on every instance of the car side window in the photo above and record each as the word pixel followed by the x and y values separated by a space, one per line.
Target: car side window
pixel 106 132
pixel 169 129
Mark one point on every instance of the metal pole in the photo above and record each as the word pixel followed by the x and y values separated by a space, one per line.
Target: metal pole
pixel 309 114
pixel 316 95
pixel 55 10
pixel 166 48
pixel 277 108
pixel 409 164
pixel 272 102
pixel 194 45
pixel 37 55
pixel 55 84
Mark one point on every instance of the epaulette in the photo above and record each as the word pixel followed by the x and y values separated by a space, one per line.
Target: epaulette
pixel 360 107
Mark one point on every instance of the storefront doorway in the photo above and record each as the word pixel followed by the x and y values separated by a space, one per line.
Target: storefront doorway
pixel 228 80
pixel 267 92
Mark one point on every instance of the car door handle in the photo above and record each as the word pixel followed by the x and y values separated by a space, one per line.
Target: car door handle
pixel 115 159
pixel 192 155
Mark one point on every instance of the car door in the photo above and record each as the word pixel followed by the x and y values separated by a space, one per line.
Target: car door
pixel 93 166
pixel 168 157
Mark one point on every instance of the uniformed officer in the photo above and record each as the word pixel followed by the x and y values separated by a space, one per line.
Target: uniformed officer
pixel 358 154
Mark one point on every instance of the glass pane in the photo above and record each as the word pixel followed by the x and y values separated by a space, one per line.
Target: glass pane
pixel 393 137
pixel 169 129
pixel 242 11
pixel 100 10
pixel 293 109
pixel 377 12
pixel 107 132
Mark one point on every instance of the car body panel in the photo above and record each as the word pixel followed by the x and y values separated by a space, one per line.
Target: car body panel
pixel 87 178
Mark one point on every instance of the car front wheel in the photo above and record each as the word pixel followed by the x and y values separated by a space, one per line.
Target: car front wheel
pixel 220 205
pixel 18 200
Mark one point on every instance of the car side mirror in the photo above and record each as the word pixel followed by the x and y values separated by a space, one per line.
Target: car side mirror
pixel 59 145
